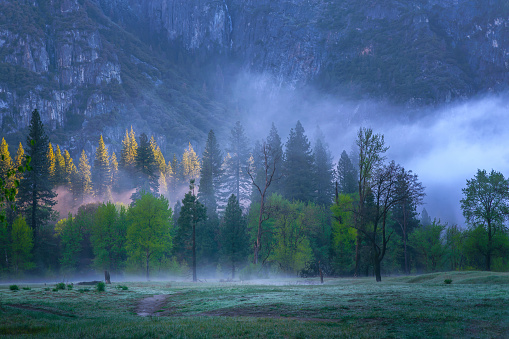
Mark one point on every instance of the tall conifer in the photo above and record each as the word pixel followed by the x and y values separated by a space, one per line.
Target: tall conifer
pixel 115 178
pixel 36 197
pixel 83 183
pixel 323 172
pixel 19 161
pixel 298 166
pixel 51 162
pixel 102 172
pixel 210 174
pixel 6 164
pixel 346 175
pixel 59 176
pixel 236 178
pixel 234 236
pixel 147 172
pixel 190 164
pixel 70 168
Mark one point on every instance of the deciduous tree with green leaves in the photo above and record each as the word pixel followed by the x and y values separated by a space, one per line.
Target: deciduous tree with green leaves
pixel 108 238
pixel 427 242
pixel 22 244
pixel 148 231
pixel 485 206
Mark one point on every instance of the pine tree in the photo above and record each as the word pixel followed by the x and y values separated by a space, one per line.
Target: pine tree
pixel 101 172
pixel 158 155
pixel 147 172
pixel 70 169
pixel 234 236
pixel 346 175
pixel 191 213
pixel 210 174
pixel 236 179
pixel 174 178
pixel 59 176
pixel 36 198
pixel 6 165
pixel 19 161
pixel 129 150
pixel 83 182
pixel 298 166
pixel 190 164
pixel 323 173
pixel 7 182
pixel 52 162
pixel 115 176
pixel 127 164
pixel 276 153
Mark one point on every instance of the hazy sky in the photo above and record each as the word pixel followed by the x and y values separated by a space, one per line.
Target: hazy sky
pixel 445 146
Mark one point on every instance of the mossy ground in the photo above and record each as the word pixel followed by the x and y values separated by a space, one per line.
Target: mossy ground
pixel 473 306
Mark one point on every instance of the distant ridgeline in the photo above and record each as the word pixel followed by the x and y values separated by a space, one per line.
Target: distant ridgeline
pixel 98 66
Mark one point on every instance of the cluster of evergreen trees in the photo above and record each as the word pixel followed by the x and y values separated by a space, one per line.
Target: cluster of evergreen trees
pixel 275 207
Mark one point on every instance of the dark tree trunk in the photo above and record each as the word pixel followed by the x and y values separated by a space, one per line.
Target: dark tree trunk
pixel 233 269
pixel 357 255
pixel 259 233
pixel 321 273
pixel 147 263
pixel 488 254
pixel 407 271
pixel 107 277
pixel 377 263
pixel 194 253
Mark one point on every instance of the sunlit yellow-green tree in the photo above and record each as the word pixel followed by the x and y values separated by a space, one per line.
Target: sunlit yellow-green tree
pixel 190 164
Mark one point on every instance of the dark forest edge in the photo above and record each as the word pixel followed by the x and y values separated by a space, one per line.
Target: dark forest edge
pixel 249 212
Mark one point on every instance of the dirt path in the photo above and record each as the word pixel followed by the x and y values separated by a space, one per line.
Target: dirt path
pixel 152 306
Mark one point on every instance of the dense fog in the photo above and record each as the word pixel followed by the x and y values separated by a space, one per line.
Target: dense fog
pixel 444 145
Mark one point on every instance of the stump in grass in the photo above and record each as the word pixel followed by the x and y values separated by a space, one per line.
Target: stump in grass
pixel 107 277
pixel 321 273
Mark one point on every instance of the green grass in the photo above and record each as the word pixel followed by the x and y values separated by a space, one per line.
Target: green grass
pixel 473 306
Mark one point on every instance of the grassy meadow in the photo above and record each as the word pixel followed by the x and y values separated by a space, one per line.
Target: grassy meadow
pixel 474 305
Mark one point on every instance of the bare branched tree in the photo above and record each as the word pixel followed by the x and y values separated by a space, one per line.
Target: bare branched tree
pixel 270 162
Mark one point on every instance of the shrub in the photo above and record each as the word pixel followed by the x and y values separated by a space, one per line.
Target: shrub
pixel 14 288
pixel 60 286
pixel 27 288
pixel 101 287
pixel 83 290
pixel 448 281
pixel 47 289
pixel 70 286
pixel 122 287
pixel 55 290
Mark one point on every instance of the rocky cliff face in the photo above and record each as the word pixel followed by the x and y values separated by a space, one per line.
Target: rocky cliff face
pixel 142 60
pixel 86 75
pixel 422 51
pixel 49 62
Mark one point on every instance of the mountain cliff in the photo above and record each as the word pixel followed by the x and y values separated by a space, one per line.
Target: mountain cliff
pixel 98 66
